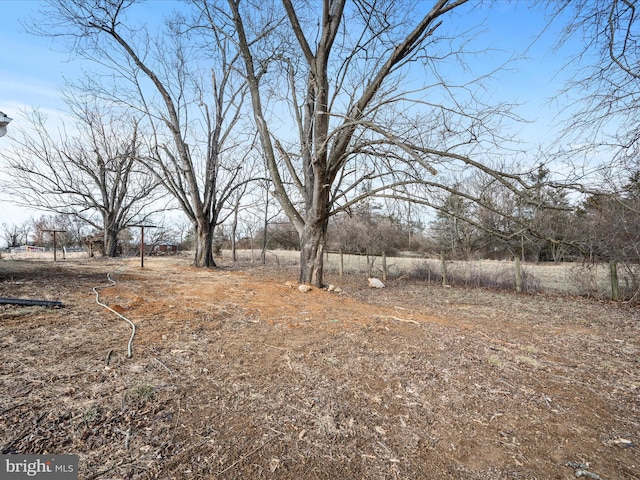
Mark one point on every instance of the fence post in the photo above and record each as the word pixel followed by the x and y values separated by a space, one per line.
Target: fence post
pixel 443 268
pixel 615 292
pixel 518 274
pixel 384 266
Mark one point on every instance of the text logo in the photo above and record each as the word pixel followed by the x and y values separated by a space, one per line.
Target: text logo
pixel 49 467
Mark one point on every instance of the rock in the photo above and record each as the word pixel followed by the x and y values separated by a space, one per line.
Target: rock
pixel 289 284
pixel 588 474
pixel 304 288
pixel 331 288
pixel 375 283
pixel 621 442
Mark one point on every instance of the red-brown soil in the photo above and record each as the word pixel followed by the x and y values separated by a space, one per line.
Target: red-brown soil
pixel 235 375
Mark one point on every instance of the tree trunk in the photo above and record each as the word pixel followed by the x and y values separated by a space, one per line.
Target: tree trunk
pixel 615 290
pixel 443 268
pixel 204 246
pixel 265 230
pixel 110 242
pixel 234 229
pixel 312 243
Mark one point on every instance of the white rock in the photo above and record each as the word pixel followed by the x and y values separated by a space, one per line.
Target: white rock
pixel 304 288
pixel 375 283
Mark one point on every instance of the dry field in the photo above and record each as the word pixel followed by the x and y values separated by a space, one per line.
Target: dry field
pixel 236 376
pixel 558 278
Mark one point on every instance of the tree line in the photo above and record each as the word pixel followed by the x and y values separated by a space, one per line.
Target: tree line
pixel 228 108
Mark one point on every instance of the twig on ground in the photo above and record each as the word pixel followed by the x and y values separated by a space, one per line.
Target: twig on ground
pixel 165 367
pixel 21 363
pixel 8 409
pixel 21 435
pixel 244 457
pixel 116 465
pixel 175 426
pixel 406 320
pixel 127 438
pixel 399 319
pixel 108 357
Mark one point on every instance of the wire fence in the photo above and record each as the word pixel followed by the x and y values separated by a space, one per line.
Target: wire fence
pixel 596 280
pixel 617 281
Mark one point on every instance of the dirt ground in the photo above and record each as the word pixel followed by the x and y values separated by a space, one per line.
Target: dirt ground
pixel 234 375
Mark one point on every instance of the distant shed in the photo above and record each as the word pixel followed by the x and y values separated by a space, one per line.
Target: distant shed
pixel 165 249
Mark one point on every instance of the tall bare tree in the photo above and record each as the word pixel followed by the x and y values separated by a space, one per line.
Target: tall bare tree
pixel 93 174
pixel 603 118
pixel 601 94
pixel 367 90
pixel 192 109
pixel 15 235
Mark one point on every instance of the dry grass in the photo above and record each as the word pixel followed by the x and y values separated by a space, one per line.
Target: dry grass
pixel 567 278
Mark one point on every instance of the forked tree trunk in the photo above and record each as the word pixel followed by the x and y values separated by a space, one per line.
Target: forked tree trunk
pixel 312 244
pixel 204 247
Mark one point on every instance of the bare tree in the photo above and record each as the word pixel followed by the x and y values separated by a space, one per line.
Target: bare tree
pixel 75 229
pixel 192 109
pixel 604 118
pixel 69 230
pixel 366 87
pixel 609 230
pixel 11 234
pixel 93 174
pixel 603 110
pixel 238 196
pixel 452 230
pixel 15 235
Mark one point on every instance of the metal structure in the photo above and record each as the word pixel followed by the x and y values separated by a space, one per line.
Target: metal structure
pixel 142 227
pixel 54 242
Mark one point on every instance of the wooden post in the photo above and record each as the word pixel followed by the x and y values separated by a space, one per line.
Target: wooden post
pixel 55 256
pixel 518 274
pixel 341 263
pixel 443 268
pixel 142 242
pixel 384 266
pixel 142 246
pixel 615 292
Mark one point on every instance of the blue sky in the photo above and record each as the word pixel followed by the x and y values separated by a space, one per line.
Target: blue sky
pixel 29 69
pixel 32 68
